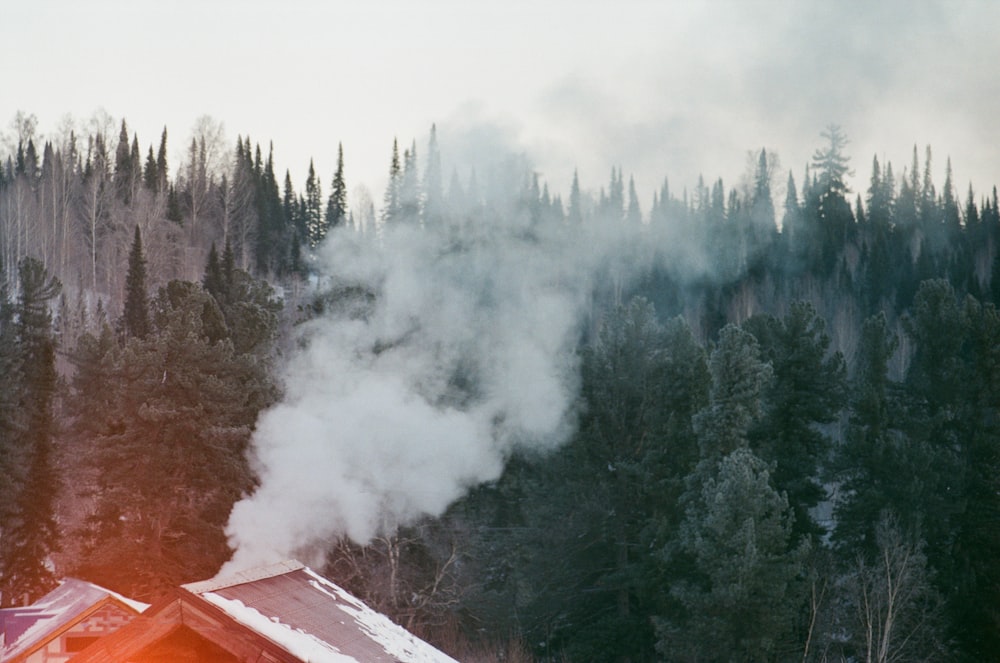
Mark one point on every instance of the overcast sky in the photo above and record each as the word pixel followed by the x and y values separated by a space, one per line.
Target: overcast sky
pixel 662 88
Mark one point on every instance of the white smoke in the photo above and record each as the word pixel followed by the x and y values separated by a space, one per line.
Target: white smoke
pixel 443 350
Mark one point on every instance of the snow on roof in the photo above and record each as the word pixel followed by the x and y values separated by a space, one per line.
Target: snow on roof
pixel 312 618
pixel 21 629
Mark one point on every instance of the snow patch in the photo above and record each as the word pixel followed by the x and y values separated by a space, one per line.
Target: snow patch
pixel 297 642
pixel 397 641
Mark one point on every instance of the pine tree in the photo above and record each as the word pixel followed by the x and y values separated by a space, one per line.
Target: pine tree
pixel 135 317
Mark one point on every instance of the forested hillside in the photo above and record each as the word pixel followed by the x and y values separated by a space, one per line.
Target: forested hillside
pixel 787 422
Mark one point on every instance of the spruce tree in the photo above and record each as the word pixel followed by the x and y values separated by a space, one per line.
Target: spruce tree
pixel 336 204
pixel 575 214
pixel 150 176
pixel 11 424
pixel 604 498
pixel 409 186
pixel 315 223
pixel 135 316
pixel 123 167
pixel 433 208
pixel 172 420
pixel 161 162
pixel 633 215
pixel 791 219
pixel 739 377
pixel 174 212
pixel 32 533
pixel 392 201
pixel 807 392
pixel 214 281
pixel 867 465
pixel 831 216
pixel 744 592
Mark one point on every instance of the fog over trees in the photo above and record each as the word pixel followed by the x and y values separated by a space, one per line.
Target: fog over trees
pixel 776 436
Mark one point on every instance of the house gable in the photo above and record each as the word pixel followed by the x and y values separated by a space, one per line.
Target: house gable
pixel 184 628
pixel 284 613
pixel 63 622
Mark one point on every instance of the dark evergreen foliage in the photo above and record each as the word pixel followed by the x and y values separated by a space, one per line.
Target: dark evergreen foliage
pixel 135 318
pixel 684 520
pixel 168 434
pixel 31 532
pixel 336 205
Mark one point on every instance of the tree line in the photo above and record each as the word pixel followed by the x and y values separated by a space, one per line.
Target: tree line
pixel 790 456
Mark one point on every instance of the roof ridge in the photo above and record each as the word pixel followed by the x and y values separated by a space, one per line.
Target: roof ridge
pixel 245 576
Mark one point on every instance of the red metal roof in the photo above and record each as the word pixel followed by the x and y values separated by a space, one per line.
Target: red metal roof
pixel 306 613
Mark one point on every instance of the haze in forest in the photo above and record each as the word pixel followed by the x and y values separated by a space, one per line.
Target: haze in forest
pixel 444 350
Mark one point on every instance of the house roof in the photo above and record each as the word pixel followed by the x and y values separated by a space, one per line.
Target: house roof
pixel 286 611
pixel 22 630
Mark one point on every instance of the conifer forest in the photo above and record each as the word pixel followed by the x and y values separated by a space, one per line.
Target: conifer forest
pixel 781 440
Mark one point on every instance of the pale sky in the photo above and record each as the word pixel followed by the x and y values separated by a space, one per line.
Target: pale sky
pixel 660 88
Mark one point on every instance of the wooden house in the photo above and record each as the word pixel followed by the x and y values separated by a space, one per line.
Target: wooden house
pixel 280 613
pixel 63 622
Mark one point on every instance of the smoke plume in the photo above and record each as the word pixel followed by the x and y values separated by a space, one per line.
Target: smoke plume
pixel 440 351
